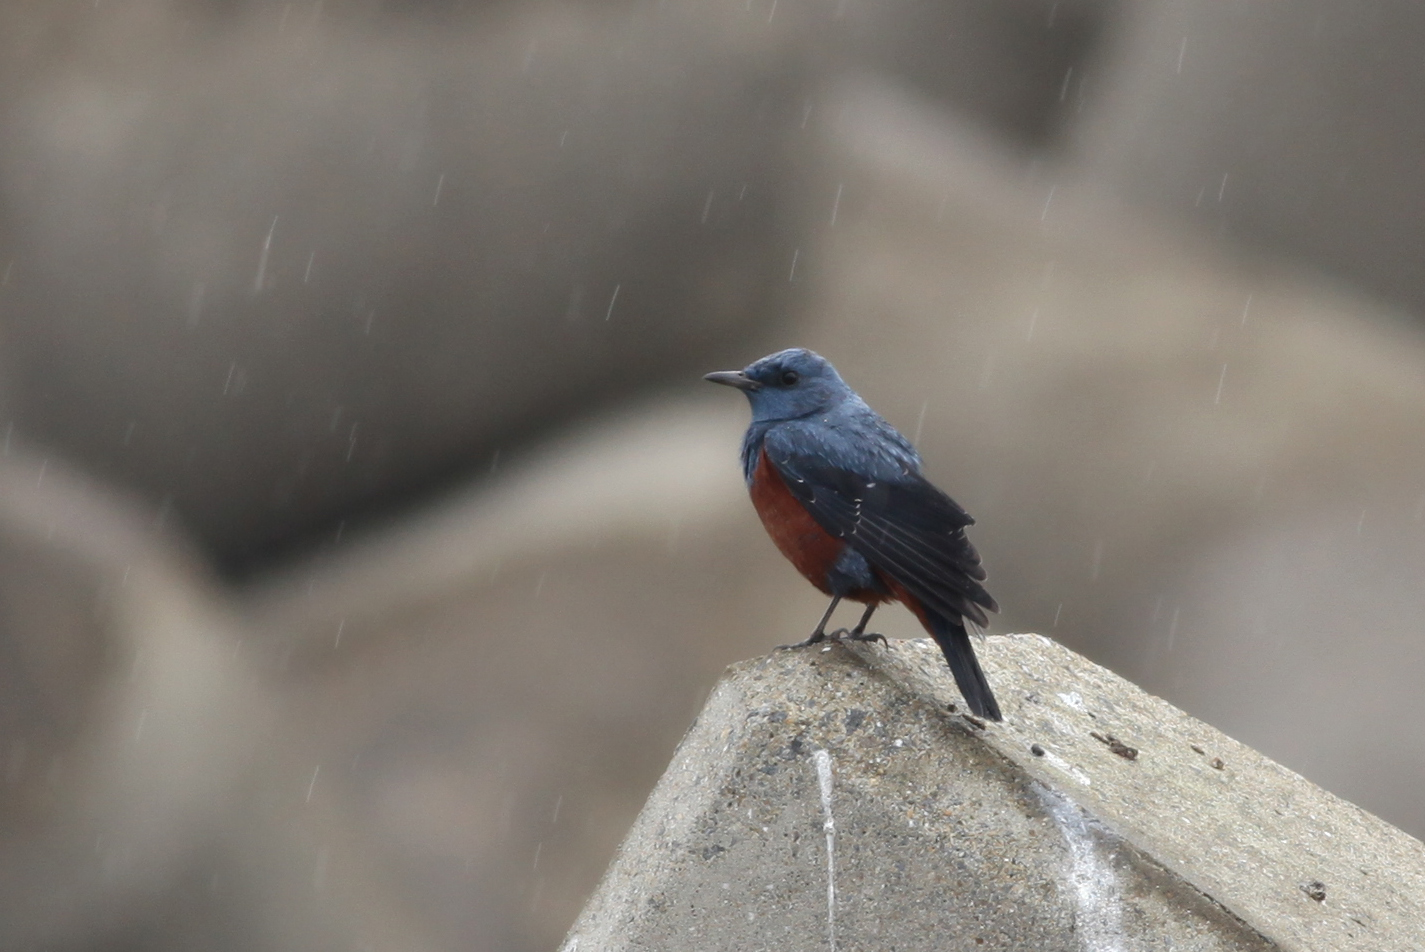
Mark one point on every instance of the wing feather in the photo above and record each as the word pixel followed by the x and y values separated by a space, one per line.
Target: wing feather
pixel 901 523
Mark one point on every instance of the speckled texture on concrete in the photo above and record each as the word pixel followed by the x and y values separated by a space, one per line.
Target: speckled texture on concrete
pixel 1096 818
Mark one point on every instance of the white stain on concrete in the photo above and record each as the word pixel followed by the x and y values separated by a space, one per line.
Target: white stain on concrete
pixel 822 759
pixel 1092 880
pixel 1063 765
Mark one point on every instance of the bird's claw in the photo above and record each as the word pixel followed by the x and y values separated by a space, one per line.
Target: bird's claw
pixel 843 634
pixel 847 634
pixel 840 634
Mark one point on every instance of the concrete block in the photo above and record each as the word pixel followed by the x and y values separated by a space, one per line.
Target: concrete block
pixel 840 799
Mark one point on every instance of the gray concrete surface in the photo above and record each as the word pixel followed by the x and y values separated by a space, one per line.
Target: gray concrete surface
pixel 836 799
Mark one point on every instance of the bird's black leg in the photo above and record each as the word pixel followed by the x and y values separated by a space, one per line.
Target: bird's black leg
pixel 820 633
pixel 859 632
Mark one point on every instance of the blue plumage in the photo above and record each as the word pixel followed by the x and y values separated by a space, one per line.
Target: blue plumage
pixel 892 534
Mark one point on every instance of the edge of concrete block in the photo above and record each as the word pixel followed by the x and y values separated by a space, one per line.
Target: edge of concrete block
pixel 1292 865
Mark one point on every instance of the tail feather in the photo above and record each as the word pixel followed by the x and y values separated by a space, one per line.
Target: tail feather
pixel 954 642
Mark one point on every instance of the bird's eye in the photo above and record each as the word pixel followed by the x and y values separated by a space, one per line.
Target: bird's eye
pixel 790 377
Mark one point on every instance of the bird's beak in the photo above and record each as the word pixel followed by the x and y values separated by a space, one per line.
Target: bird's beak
pixel 733 378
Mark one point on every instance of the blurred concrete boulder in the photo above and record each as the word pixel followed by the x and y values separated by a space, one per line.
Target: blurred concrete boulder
pixel 280 265
pixel 152 797
pixel 270 262
pixel 1294 129
pixel 126 722
pixel 1013 68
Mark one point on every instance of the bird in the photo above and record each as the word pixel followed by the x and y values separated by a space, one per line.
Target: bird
pixel 841 493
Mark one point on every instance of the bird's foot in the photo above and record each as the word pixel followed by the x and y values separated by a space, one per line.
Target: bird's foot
pixel 816 638
pixel 842 634
pixel 848 634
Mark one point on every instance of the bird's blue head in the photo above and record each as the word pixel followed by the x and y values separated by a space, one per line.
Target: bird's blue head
pixel 787 385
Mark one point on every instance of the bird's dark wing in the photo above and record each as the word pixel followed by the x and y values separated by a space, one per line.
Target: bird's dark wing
pixel 897 520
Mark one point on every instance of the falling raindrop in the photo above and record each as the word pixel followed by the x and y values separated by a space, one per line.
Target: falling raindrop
pixel 261 278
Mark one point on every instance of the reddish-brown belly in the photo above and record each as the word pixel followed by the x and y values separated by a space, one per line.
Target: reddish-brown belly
pixel 806 545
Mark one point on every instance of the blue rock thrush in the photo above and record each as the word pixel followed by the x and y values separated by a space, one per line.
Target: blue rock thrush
pixel 841 494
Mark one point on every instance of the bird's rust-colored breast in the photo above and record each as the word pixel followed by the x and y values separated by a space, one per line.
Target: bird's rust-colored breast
pixel 806 544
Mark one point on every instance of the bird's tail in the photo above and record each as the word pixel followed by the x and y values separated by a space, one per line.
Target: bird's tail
pixel 954 642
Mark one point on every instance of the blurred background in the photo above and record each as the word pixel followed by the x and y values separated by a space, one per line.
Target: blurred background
pixel 369 538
